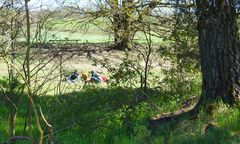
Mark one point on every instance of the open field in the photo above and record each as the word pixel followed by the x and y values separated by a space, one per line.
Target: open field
pixel 93 32
pixel 78 60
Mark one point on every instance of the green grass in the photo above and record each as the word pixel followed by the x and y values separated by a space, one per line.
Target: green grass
pixel 99 115
pixel 226 129
pixel 93 32
pixel 77 24
pixel 84 37
pixel 102 115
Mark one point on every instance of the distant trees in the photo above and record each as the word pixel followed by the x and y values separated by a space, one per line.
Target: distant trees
pixel 125 17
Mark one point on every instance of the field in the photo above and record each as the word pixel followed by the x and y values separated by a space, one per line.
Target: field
pixel 117 112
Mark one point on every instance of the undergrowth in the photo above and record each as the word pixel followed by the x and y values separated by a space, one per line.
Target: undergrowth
pixel 120 116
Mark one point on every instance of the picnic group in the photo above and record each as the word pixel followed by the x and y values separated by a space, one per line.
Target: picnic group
pixel 94 76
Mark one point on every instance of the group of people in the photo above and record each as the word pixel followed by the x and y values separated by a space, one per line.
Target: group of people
pixel 92 76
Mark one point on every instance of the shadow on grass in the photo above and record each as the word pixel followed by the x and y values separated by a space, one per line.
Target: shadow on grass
pixel 97 115
pixel 89 104
pixel 76 113
pixel 100 113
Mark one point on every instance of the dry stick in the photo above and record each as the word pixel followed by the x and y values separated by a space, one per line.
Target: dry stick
pixel 41 24
pixel 60 74
pixel 26 68
pixel 49 127
pixel 9 100
pixel 23 77
pixel 46 79
pixel 30 96
pixel 41 63
pixel 149 52
pixel 40 131
pixel 26 122
pixel 37 121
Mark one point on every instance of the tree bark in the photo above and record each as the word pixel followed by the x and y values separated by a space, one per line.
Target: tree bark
pixel 123 32
pixel 219 52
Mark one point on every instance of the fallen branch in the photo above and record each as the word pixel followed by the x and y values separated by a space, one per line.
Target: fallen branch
pixel 17 138
pixel 179 116
pixel 188 111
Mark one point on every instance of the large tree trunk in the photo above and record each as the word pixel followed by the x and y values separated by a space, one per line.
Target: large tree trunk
pixel 122 39
pixel 219 51
pixel 123 32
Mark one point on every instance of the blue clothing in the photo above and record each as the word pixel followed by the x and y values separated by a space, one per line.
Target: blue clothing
pixel 95 77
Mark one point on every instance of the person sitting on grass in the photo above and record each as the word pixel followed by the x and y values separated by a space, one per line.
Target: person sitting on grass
pixel 95 77
pixel 84 77
pixel 73 77
pixel 104 79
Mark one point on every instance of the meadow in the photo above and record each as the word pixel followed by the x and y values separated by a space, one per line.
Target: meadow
pixel 115 113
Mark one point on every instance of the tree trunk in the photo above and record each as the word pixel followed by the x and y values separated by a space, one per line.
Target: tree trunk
pixel 123 34
pixel 123 41
pixel 219 52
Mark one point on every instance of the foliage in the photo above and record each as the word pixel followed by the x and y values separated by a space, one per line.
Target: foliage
pixel 183 75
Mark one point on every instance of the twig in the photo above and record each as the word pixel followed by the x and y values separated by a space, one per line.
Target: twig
pixel 49 127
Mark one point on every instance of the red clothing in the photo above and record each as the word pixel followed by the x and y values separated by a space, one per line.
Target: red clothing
pixel 104 78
